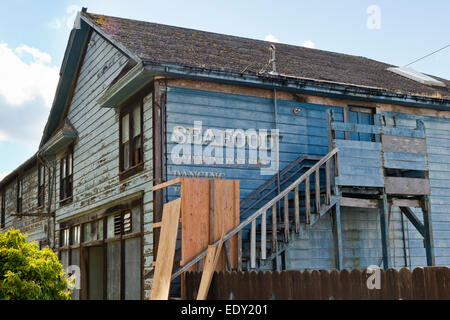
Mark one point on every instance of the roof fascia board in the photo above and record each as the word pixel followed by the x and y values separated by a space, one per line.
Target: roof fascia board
pixel 299 86
pixel 66 80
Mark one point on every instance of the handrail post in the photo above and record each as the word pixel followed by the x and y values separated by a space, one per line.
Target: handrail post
pixel 263 236
pixel 253 245
pixel 286 218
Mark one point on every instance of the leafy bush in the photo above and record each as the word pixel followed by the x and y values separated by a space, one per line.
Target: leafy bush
pixel 28 273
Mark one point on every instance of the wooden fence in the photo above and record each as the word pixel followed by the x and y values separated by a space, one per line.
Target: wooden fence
pixel 428 283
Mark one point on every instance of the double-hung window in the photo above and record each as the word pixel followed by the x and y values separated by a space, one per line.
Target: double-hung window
pixel 41 185
pixel 131 141
pixel 19 195
pixel 66 177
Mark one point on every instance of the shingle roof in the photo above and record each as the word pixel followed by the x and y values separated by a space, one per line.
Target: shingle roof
pixel 159 43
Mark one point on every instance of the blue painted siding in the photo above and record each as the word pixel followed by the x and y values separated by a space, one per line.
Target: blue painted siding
pixel 306 133
pixel 438 145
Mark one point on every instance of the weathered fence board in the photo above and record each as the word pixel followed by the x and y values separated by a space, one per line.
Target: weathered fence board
pixel 430 283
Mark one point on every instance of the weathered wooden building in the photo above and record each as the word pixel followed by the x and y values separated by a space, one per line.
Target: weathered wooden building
pixel 319 133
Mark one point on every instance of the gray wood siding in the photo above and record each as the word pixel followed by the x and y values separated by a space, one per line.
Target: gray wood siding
pixel 34 227
pixel 96 153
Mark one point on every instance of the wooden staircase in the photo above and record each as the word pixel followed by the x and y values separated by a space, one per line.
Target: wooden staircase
pixel 279 220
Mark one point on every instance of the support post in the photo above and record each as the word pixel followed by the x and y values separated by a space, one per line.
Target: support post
pixel 384 211
pixel 428 237
pixel 337 234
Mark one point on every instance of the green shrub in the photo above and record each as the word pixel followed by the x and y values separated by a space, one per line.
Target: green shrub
pixel 28 273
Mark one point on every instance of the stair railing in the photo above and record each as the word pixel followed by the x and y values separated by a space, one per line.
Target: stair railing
pixel 262 212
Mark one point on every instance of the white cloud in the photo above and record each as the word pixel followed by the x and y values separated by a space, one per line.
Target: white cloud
pixel 38 56
pixel 23 80
pixel 271 38
pixel 3 174
pixel 308 44
pixel 67 19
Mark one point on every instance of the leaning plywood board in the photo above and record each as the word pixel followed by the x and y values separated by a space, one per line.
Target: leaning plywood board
pixel 167 243
pixel 226 217
pixel 212 258
pixel 195 195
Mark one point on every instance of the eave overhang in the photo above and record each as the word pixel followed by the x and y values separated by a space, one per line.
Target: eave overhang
pixel 60 140
pixel 144 72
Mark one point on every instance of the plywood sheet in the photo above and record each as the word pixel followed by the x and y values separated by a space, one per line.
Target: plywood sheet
pixel 195 195
pixel 226 217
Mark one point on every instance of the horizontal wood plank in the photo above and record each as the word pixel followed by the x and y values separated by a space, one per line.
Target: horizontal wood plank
pixel 404 144
pixel 359 203
pixel 407 186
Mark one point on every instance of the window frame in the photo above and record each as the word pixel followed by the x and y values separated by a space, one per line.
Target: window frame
pixel 135 166
pixel 64 198
pixel 69 244
pixel 41 186
pixel 19 195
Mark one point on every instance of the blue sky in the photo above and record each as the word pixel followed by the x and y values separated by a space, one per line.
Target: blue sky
pixel 34 34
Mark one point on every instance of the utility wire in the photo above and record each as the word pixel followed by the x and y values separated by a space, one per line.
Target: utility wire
pixel 428 55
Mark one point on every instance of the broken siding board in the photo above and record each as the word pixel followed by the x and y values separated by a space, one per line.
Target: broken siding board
pixel 405 165
pixel 404 144
pixel 407 186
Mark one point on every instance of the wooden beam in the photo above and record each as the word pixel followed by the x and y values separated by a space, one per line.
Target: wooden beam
pixel 337 235
pixel 411 203
pixel 166 184
pixel 297 210
pixel 407 186
pixel 414 220
pixel 429 243
pixel 358 203
pixel 384 211
pixel 167 245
